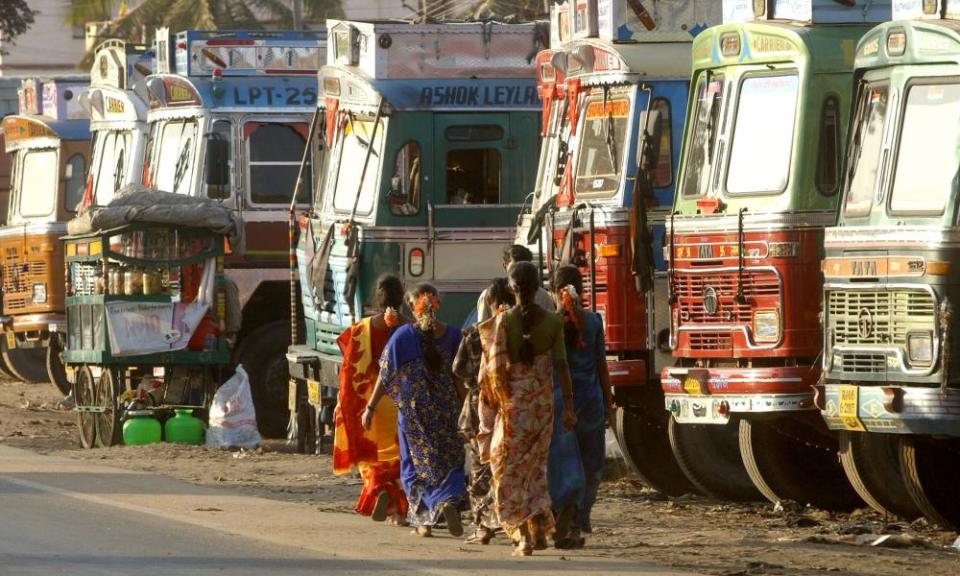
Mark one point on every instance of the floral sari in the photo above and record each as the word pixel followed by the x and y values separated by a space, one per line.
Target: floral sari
pixel 374 452
pixel 431 452
pixel 516 417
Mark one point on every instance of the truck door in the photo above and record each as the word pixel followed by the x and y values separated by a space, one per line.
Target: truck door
pixel 474 204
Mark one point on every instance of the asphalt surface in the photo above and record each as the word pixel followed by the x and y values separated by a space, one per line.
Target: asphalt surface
pixel 62 516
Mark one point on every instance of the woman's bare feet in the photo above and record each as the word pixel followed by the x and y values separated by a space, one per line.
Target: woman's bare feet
pixel 423 531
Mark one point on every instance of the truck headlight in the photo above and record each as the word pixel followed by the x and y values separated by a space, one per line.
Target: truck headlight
pixel 766 326
pixel 920 347
pixel 40 293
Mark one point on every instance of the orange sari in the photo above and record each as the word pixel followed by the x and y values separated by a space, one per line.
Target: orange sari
pixel 375 452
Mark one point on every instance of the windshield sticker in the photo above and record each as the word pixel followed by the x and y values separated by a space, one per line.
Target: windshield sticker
pixel 615 108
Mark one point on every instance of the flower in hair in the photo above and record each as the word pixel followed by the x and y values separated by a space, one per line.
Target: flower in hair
pixel 427 303
pixel 570 302
pixel 391 317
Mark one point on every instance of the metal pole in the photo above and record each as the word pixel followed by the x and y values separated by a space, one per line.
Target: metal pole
pixel 298 14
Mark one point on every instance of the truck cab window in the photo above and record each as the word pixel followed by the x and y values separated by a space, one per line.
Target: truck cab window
pixel 39 181
pixel 602 145
pixel 828 152
pixel 75 182
pixel 222 130
pixel 111 165
pixel 405 182
pixel 663 169
pixel 174 168
pixel 473 176
pixel 274 152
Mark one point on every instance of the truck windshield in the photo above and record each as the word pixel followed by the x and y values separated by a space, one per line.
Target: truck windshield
pixel 174 168
pixel 37 180
pixel 602 145
pixel 763 135
pixel 928 155
pixel 354 143
pixel 698 165
pixel 865 149
pixel 109 165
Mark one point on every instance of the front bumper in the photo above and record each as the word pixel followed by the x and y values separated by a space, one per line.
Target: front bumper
pixel 313 375
pixel 34 323
pixel 627 373
pixel 892 409
pixel 713 395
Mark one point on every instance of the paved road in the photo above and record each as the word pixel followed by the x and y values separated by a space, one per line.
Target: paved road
pixel 61 516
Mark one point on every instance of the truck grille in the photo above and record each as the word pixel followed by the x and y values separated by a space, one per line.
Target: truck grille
pixel 878 317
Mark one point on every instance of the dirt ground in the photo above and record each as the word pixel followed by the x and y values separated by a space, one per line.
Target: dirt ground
pixel 630 521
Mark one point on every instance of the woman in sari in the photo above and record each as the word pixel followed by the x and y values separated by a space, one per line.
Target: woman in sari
pixel 374 451
pixel 521 350
pixel 415 371
pixel 577 455
pixel 466 367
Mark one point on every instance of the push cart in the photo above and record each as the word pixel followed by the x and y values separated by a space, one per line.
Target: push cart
pixel 145 323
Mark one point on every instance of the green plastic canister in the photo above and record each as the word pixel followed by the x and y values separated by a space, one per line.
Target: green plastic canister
pixel 184 428
pixel 141 428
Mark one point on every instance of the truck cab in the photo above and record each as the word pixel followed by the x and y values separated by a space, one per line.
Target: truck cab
pixel 891 385
pixel 229 117
pixel 759 181
pixel 430 132
pixel 49 143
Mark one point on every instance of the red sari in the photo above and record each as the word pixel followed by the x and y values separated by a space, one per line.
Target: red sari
pixel 374 452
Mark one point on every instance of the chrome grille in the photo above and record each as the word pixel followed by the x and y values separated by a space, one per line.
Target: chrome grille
pixel 690 288
pixel 878 317
pixel 863 363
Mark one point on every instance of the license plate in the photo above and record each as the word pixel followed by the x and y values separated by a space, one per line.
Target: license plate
pixel 11 340
pixel 313 392
pixel 849 409
pixel 692 386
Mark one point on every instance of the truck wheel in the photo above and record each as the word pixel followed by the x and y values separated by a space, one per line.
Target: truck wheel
pixel 5 371
pixel 56 371
pixel 645 445
pixel 710 457
pixel 26 364
pixel 790 459
pixel 931 471
pixel 263 354
pixel 872 464
pixel 85 394
pixel 108 421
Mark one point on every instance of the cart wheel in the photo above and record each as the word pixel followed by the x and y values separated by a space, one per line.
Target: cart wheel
pixel 108 422
pixel 56 371
pixel 85 394
pixel 26 364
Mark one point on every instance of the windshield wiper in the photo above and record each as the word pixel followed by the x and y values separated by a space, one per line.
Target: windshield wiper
pixel 611 140
pixel 856 147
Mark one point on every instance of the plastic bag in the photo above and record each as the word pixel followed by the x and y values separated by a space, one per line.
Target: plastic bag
pixel 233 419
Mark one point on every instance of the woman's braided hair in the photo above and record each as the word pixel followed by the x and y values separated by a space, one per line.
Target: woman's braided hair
pixel 570 305
pixel 524 282
pixel 419 301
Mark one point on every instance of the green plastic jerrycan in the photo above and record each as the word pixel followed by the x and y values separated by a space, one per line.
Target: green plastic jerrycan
pixel 184 428
pixel 141 428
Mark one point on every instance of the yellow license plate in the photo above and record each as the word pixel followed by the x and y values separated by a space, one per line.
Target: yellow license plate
pixel 692 386
pixel 11 340
pixel 313 392
pixel 849 409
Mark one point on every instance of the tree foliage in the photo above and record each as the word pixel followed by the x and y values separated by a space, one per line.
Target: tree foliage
pixel 15 18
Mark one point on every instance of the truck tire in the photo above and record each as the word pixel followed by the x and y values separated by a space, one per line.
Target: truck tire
pixel 789 459
pixel 931 471
pixel 872 464
pixel 5 372
pixel 263 354
pixel 56 371
pixel 645 444
pixel 710 457
pixel 26 364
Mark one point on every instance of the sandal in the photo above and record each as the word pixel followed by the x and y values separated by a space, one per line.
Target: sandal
pixel 380 507
pixel 422 531
pixel 452 516
pixel 483 536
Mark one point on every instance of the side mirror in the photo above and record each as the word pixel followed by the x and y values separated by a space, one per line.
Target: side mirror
pixel 217 167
